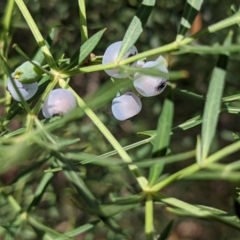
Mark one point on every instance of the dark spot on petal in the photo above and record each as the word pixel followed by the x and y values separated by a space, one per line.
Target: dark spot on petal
pixel 161 86
pixel 131 54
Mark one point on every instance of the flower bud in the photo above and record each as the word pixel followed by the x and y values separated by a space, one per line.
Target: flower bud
pixel 126 106
pixel 147 85
pixel 59 102
pixel 110 56
pixel 27 90
pixel 27 72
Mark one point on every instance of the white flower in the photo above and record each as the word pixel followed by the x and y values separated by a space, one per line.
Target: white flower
pixel 59 102
pixel 126 106
pixel 110 56
pixel 147 85
pixel 27 90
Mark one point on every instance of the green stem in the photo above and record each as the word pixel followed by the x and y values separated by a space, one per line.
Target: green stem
pixel 195 167
pixel 166 48
pixel 8 15
pixel 38 106
pixel 116 145
pixel 149 218
pixel 36 33
pixel 22 53
pixel 197 211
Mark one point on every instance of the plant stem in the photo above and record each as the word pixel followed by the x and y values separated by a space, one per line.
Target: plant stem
pixel 149 218
pixel 195 167
pixel 108 135
pixel 37 108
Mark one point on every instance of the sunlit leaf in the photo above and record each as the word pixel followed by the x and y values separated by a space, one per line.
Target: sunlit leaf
pixel 85 50
pixel 213 101
pixel 136 26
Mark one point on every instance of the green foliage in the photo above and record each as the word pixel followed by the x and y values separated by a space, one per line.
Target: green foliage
pixel 86 175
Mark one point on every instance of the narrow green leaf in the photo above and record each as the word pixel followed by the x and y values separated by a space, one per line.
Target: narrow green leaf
pixel 82 229
pixel 52 233
pixel 214 210
pixel 127 200
pixel 155 172
pixel 92 159
pixel 234 166
pixel 104 211
pixel 181 127
pixel 63 142
pixel 83 21
pixel 150 133
pixel 202 212
pixel 192 7
pixel 165 233
pixel 188 124
pixel 232 110
pixel 235 136
pixel 213 101
pixel 71 173
pixel 136 27
pixel 231 98
pixel 7 17
pixel 85 50
pixel 113 225
pixel 106 161
pixel 188 94
pixel 126 148
pixel 40 189
pixel 110 210
pixel 162 139
pixel 167 159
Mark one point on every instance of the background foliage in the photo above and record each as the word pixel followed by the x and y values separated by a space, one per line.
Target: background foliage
pixel 54 204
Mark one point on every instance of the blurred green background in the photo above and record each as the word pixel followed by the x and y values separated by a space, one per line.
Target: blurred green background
pixel 59 208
